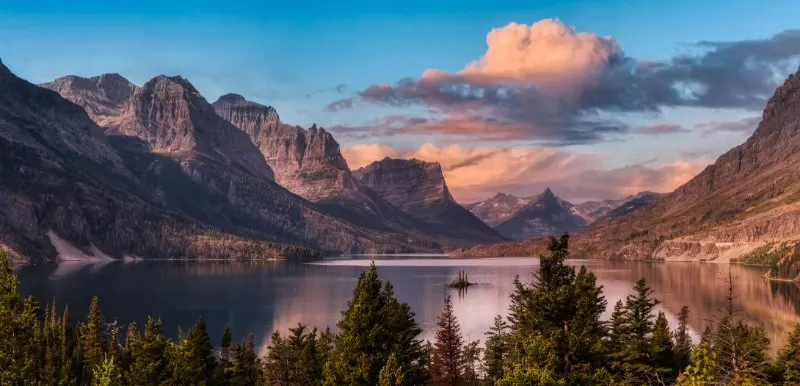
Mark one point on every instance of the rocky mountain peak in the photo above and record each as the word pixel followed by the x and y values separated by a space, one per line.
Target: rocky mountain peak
pixel 307 162
pixel 173 117
pixel 103 97
pixel 406 183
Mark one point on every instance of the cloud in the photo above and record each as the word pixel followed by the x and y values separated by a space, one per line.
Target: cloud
pixel 661 128
pixel 477 173
pixel 340 104
pixel 549 83
pixel 745 126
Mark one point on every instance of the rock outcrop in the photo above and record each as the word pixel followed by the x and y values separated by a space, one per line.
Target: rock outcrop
pixel 419 189
pixel 103 97
pixel 172 118
pixel 306 162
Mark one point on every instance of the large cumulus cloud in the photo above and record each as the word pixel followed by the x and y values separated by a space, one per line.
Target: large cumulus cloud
pixel 547 82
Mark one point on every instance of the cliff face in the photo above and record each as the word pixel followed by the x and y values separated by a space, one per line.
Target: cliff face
pixel 171 116
pixel 102 97
pixel 62 183
pixel 306 162
pixel 748 198
pixel 419 189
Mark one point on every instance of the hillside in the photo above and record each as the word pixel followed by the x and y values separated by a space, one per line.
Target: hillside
pixel 749 198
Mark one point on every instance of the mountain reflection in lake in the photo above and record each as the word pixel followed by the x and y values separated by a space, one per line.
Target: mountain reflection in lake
pixel 264 297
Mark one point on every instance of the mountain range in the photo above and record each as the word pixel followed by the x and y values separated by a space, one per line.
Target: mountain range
pixel 745 206
pixel 97 168
pixel 519 218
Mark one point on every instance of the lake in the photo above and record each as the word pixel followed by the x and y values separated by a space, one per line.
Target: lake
pixel 263 297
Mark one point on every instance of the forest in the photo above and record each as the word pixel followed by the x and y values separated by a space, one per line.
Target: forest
pixel 554 334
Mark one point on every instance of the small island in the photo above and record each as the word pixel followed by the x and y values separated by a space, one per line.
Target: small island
pixel 461 281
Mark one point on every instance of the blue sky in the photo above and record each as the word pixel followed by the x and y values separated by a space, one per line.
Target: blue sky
pixel 292 55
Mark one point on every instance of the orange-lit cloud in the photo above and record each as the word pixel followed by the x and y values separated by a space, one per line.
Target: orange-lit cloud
pixel 476 173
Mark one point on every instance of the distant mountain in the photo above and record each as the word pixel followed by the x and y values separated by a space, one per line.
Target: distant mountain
pixel 64 190
pixel 419 189
pixel 522 218
pixel 545 214
pixel 498 208
pixel 630 204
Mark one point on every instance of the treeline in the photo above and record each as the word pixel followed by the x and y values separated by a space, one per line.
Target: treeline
pixel 553 335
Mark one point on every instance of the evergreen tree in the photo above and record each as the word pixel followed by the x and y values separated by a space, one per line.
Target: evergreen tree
pixel 107 373
pixel 92 338
pixel 496 350
pixel 391 374
pixel 223 369
pixel 471 357
pixel 618 331
pixel 683 342
pixel 638 334
pixel 194 362
pixel 447 367
pixel 225 346
pixel 245 366
pixel 374 326
pixel 587 333
pixel 700 371
pixel 565 309
pixel 662 351
pixel 298 359
pixel 147 355
pixel 788 361
pixel 19 330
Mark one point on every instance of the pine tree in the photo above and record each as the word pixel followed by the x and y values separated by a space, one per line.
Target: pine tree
pixel 788 361
pixel 147 355
pixel 224 354
pixel 447 367
pixel 638 330
pixel 93 342
pixel 497 350
pixel 194 362
pixel 586 331
pixel 471 358
pixel 19 330
pixel 374 326
pixel 297 359
pixel 391 374
pixel 662 352
pixel 107 373
pixel 245 365
pixel 683 342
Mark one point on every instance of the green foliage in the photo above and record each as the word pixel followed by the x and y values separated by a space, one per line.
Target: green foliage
pixel 788 361
pixel 563 309
pixel 193 360
pixel 107 373
pixel 299 358
pixel 497 349
pixel 374 326
pixel 246 366
pixel 700 371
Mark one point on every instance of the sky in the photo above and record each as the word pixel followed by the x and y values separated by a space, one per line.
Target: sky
pixel 595 99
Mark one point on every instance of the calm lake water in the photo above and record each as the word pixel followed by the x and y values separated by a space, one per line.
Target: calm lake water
pixel 276 296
